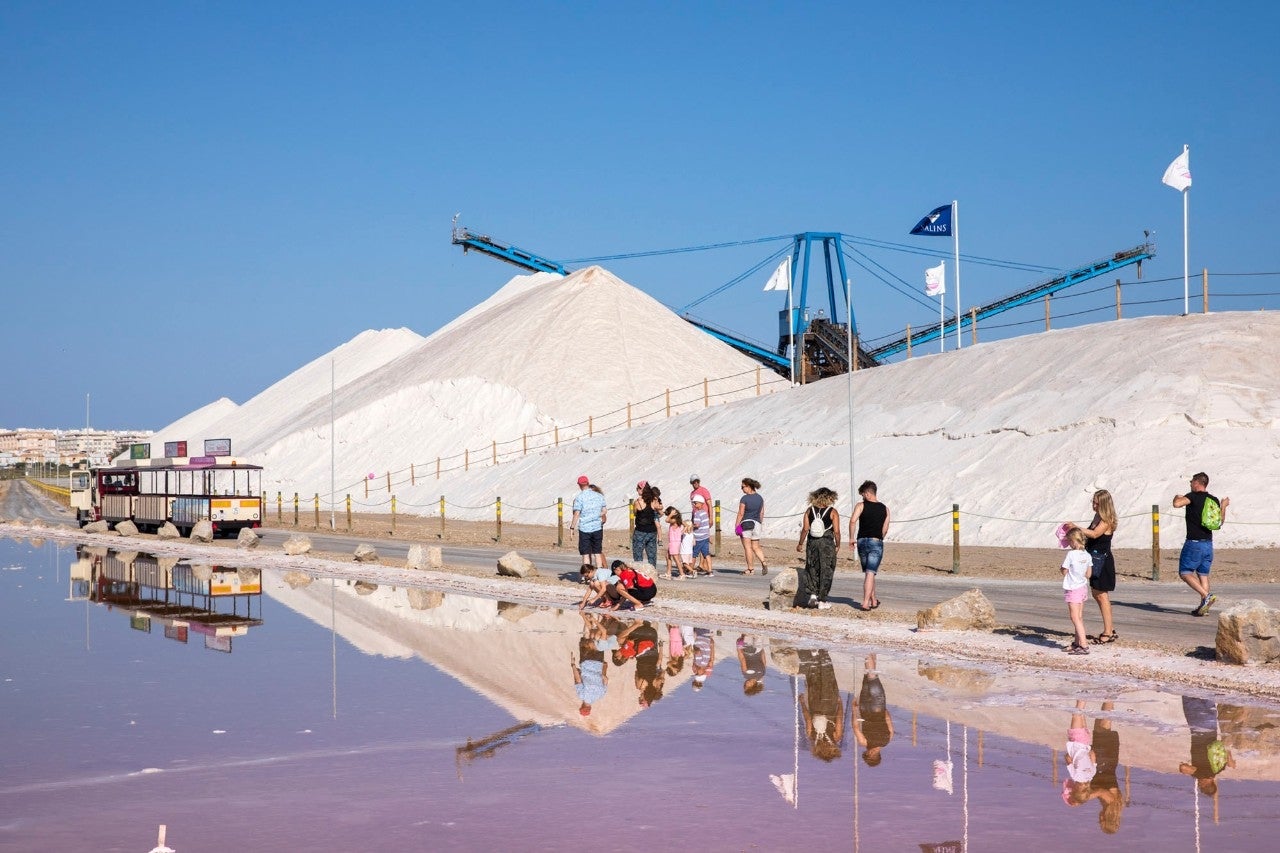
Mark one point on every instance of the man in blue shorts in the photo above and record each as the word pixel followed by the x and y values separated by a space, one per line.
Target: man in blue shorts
pixel 1197 552
pixel 589 516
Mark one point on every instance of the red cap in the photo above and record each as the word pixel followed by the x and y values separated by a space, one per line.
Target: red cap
pixel 583 480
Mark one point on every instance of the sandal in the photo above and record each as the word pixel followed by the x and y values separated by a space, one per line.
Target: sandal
pixel 1078 650
pixel 1106 637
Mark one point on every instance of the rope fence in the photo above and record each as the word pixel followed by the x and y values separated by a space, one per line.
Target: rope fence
pixel 558 505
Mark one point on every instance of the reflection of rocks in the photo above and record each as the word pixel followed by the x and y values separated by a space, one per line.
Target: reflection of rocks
pixel 247 539
pixel 366 553
pixel 36 522
pixel 425 599
pixel 98 551
pixel 365 588
pixel 202 531
pixel 166 564
pixel 1249 632
pixel 782 589
pixel 168 531
pixel 513 612
pixel 296 579
pixel 1250 729
pixel 513 565
pixel 127 557
pixel 202 573
pixel 783 656
pixel 36 543
pixel 957 677
pixel 297 544
pixel 970 611
pixel 126 528
pixel 249 576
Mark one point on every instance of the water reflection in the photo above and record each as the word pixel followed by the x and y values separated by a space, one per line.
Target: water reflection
pixel 470 723
pixel 213 602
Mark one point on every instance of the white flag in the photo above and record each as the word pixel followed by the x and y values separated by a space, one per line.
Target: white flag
pixel 781 278
pixel 935 280
pixel 1178 175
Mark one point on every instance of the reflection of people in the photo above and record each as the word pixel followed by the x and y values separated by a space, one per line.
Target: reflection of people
pixel 820 541
pixel 1105 788
pixel 749 525
pixel 704 653
pixel 1209 755
pixel 820 703
pixel 1197 552
pixel 1082 762
pixel 868 526
pixel 590 675
pixel 639 642
pixel 751 659
pixel 1102 582
pixel 872 725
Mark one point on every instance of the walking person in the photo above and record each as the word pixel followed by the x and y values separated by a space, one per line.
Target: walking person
pixel 872 725
pixel 647 507
pixel 1076 568
pixel 870 518
pixel 696 488
pixel 702 537
pixel 749 525
pixel 1197 552
pixel 820 542
pixel 1098 535
pixel 589 517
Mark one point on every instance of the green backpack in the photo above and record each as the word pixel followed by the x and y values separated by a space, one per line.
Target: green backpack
pixel 1211 515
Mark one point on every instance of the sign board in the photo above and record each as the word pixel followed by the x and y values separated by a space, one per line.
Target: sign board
pixel 174 449
pixel 139 451
pixel 217 447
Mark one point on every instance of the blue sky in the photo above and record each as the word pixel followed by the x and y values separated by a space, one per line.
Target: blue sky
pixel 201 197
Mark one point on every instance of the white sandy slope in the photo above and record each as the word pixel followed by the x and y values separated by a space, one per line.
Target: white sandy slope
pixel 1022 429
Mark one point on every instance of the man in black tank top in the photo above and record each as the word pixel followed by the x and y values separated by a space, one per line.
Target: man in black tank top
pixel 868 526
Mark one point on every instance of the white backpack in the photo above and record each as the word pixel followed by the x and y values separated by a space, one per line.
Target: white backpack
pixel 816 528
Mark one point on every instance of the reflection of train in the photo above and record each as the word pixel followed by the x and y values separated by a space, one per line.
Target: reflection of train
pixel 149 492
pixel 215 602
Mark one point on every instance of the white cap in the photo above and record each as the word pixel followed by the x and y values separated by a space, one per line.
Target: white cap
pixel 699 499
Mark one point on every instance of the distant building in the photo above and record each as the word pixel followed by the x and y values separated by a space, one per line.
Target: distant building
pixel 29 445
pixel 66 447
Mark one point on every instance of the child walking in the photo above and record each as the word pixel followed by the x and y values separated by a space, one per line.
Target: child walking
pixel 687 568
pixel 675 532
pixel 1076 568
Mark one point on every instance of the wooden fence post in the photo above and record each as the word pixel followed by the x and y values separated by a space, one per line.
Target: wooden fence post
pixel 317 510
pixel 955 538
pixel 279 508
pixel 1118 312
pixel 366 488
pixel 1046 312
pixel 668 402
pixel 498 511
pixel 1155 542
pixel 442 516
pixel 466 460
pixel 973 325
pixel 591 426
pixel 495 451
pixel 295 509
pixel 348 512
pixel 393 515
pixel 757 382
pixel 413 479
pixel 1204 288
pixel 557 435
pixel 524 444
pixel 388 482
pixel 628 416
pixel 631 518
pixel 908 340
pixel 706 396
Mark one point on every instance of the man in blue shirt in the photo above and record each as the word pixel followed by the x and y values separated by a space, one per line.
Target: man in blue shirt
pixel 589 516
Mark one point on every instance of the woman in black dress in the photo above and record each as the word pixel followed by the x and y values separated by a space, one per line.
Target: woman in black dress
pixel 1103 580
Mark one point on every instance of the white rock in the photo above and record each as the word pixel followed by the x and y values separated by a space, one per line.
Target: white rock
pixel 366 553
pixel 126 528
pixel 513 565
pixel 202 532
pixel 168 531
pixel 247 539
pixel 297 544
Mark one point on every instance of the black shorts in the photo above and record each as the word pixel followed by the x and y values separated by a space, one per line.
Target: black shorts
pixel 590 543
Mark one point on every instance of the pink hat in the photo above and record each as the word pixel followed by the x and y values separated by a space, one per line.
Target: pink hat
pixel 584 480
pixel 640 485
pixel 1061 533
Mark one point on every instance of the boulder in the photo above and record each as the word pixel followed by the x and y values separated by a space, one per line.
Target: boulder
pixel 435 557
pixel 425 599
pixel 513 565
pixel 417 557
pixel 202 573
pixel 247 539
pixel 969 611
pixel 782 589
pixel 202 532
pixel 513 612
pixel 365 588
pixel 249 576
pixel 126 528
pixel 366 553
pixel 1249 633
pixel 168 531
pixel 296 545
pixel 97 527
pixel 297 579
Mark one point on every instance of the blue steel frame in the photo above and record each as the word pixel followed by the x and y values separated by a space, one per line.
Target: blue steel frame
pixel 511 254
pixel 831 241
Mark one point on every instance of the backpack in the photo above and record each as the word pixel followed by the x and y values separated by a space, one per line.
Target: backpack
pixel 1211 515
pixel 817 529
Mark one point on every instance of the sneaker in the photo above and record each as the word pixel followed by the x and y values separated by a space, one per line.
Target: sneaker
pixel 1202 608
pixel 824 605
pixel 813 602
pixel 1208 602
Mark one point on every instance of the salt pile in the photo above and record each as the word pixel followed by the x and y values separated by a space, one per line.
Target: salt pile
pixel 1018 432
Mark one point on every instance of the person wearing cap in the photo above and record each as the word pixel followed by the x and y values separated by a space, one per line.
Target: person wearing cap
pixel 647 508
pixel 702 536
pixel 698 489
pixel 589 517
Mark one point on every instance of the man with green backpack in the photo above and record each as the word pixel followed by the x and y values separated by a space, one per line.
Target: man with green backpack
pixel 1205 514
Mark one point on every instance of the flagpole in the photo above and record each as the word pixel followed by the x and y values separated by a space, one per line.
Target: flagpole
pixel 942 326
pixel 791 325
pixel 1186 304
pixel 848 302
pixel 955 235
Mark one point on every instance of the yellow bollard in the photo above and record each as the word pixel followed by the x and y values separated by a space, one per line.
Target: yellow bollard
pixel 279 508
pixel 317 510
pixel 1155 542
pixel 559 522
pixel 295 509
pixel 717 551
pixel 955 538
pixel 498 506
pixel 442 516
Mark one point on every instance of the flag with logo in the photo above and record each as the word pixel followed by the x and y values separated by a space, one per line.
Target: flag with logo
pixel 936 224
pixel 935 280
pixel 1178 175
pixel 781 278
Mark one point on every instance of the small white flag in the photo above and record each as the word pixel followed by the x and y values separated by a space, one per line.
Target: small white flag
pixel 1178 175
pixel 935 280
pixel 781 278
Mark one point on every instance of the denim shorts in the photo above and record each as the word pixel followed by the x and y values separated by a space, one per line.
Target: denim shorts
pixel 870 552
pixel 1196 556
pixel 701 548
